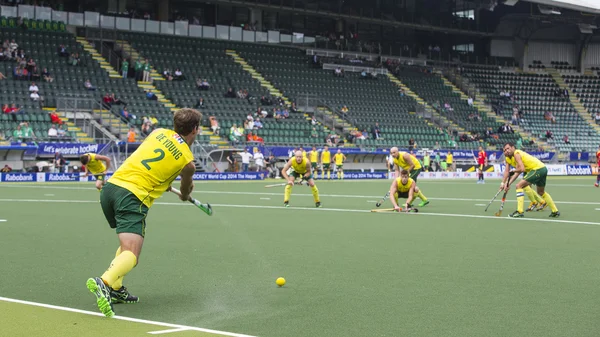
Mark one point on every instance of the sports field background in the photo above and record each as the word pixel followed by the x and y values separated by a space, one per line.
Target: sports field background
pixel 450 270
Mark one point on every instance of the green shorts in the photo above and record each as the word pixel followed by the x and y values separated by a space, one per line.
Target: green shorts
pixel 99 177
pixel 339 167
pixel 537 177
pixel 326 167
pixel 123 210
pixel 297 175
pixel 414 174
pixel 403 195
pixel 314 165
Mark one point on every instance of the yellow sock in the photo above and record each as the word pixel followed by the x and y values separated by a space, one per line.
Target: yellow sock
pixel 520 200
pixel 287 193
pixel 530 194
pixel 119 282
pixel 119 267
pixel 322 174
pixel 421 196
pixel 315 193
pixel 550 202
pixel 538 198
pixel 328 174
pixel 342 174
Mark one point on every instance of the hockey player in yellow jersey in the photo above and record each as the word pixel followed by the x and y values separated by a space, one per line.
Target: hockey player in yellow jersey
pixel 301 169
pixel 403 187
pixel 535 174
pixel 130 192
pixel 325 163
pixel 406 161
pixel 314 161
pixel 96 165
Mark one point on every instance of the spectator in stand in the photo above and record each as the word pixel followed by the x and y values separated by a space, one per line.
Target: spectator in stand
pixel 515 118
pixel 214 125
pixel 33 87
pixel 146 75
pixel 376 131
pixel 178 75
pixel 167 74
pixel 124 68
pixel 314 133
pixel 88 85
pixel 131 135
pixel 549 134
pixel 265 101
pixel 365 134
pixel 262 112
pixel 344 110
pixel 74 59
pixel 117 101
pixel 470 101
pixel 126 115
pixel 339 72
pixel 107 101
pixel 412 144
pixel 313 121
pixel 597 117
pixel 151 96
pixel 245 159
pixel 257 123
pixel 549 117
pixel 18 134
pixel 47 76
pixel 448 107
pixel 293 108
pixel 30 65
pixel 566 139
pixel 14 111
pixel 230 93
pixel 259 160
pixel 234 137
pixel 52 132
pixel 27 131
pixel 200 103
pixel 35 74
pixel 34 96
pixel 62 51
pixel 6 169
pixel 62 133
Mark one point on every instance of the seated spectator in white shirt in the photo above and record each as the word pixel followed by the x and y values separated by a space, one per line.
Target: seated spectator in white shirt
pixel 34 96
pixel 52 132
pixel 33 87
pixel 470 101
pixel 250 118
pixel 258 124
pixel 61 132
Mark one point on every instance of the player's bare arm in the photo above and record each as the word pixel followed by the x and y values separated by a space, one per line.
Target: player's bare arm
pixel 308 170
pixel 393 190
pixel 187 183
pixel 106 161
pixel 284 172
pixel 411 193
pixel 407 158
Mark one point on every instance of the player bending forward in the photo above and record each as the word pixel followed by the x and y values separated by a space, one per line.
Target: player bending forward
pixel 403 187
pixel 535 174
pixel 131 191
pixel 301 169
pixel 94 166
pixel 405 161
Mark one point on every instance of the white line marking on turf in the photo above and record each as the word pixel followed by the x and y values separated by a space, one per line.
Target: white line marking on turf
pixel 2 220
pixel 323 210
pixel 48 195
pixel 480 205
pixel 265 198
pixel 123 318
pixel 160 332
pixel 372 201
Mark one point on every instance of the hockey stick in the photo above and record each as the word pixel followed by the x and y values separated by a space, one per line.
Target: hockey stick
pixel 206 208
pixel 380 202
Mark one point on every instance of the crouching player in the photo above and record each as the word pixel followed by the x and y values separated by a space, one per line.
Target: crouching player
pixel 403 187
pixel 94 166
pixel 301 169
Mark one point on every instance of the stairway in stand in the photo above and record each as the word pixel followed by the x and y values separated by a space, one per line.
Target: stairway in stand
pixel 112 73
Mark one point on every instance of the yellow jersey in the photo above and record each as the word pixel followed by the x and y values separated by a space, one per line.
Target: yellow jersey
pixel 304 154
pixel 314 156
pixel 403 188
pixel 326 157
pixel 151 169
pixel 95 166
pixel 529 162
pixel 401 163
pixel 339 158
pixel 449 158
pixel 301 167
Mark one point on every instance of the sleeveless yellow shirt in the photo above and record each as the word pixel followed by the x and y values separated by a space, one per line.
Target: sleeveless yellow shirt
pixel 401 163
pixel 151 169
pixel 529 162
pixel 402 188
pixel 299 168
pixel 339 158
pixel 95 166
pixel 314 156
pixel 326 157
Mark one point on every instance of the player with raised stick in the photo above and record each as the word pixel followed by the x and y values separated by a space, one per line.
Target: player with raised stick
pixel 94 166
pixel 535 174
pixel 405 161
pixel 301 169
pixel 131 191
pixel 406 188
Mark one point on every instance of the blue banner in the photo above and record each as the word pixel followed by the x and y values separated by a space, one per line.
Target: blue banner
pixel 579 170
pixel 18 177
pixel 229 176
pixel 68 149
pixel 64 177
pixel 579 156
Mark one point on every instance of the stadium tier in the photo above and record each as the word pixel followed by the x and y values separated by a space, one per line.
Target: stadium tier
pixel 430 87
pixel 543 106
pixel 587 89
pixel 207 60
pixel 369 101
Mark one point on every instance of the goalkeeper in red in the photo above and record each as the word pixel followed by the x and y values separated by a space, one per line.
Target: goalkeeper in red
pixel 598 167
pixel 481 162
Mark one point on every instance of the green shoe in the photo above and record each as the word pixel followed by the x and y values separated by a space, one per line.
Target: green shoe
pixel 286 203
pixel 318 204
pixel 424 203
pixel 102 293
pixel 516 214
pixel 554 214
pixel 122 296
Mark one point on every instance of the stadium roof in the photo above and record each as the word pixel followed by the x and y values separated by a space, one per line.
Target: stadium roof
pixel 588 6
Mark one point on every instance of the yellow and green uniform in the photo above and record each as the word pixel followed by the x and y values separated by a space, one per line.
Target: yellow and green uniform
pixel 404 165
pixel 326 162
pixel 143 178
pixel 449 159
pixel 304 154
pixel 299 170
pixel 403 189
pixel 314 159
pixel 95 166
pixel 535 174
pixel 339 160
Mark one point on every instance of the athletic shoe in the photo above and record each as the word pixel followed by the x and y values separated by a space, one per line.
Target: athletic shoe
pixel 554 214
pixel 286 203
pixel 102 293
pixel 532 206
pixel 483 181
pixel 122 296
pixel 318 204
pixel 424 203
pixel 479 181
pixel 542 206
pixel 516 214
pixel 596 184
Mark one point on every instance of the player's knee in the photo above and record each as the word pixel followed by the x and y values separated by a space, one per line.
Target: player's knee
pixel 416 190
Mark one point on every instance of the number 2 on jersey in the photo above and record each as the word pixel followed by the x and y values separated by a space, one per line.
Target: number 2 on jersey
pixel 161 155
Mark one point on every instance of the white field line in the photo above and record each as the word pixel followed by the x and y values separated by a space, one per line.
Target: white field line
pixel 326 210
pixel 301 194
pixel 123 318
pixel 160 332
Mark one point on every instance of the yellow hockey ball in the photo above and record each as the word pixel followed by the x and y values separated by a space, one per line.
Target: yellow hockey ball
pixel 280 281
